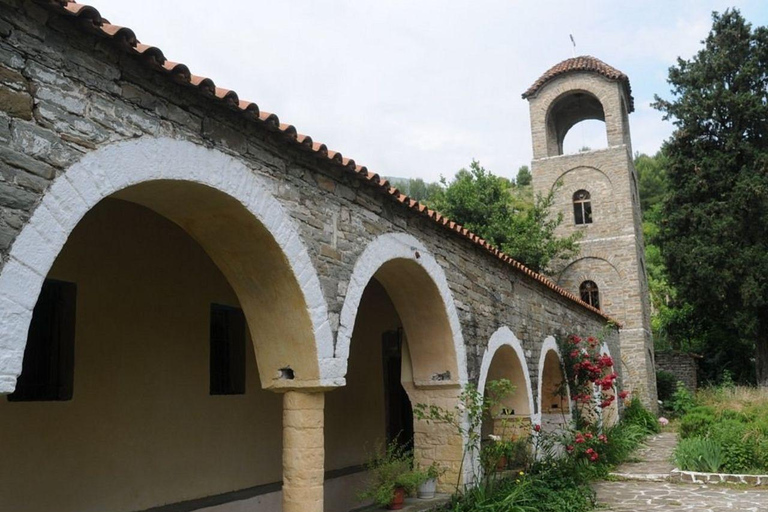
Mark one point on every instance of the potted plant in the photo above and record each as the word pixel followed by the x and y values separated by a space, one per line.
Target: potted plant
pixel 429 477
pixel 494 454
pixel 392 478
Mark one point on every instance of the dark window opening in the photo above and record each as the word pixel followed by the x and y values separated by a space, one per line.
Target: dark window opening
pixel 48 370
pixel 398 412
pixel 227 341
pixel 590 293
pixel 582 207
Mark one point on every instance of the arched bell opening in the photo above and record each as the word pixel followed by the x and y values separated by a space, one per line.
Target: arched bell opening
pixel 580 114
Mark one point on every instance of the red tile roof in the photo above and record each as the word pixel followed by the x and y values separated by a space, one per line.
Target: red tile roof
pixel 582 63
pixel 91 21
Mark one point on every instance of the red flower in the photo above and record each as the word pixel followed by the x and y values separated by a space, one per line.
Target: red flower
pixel 589 435
pixel 624 394
pixel 537 428
pixel 594 457
pixel 602 438
pixel 569 448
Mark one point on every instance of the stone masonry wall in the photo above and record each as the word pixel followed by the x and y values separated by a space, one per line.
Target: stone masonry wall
pixel 683 366
pixel 65 93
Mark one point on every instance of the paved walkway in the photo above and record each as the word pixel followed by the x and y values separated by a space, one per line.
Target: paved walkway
pixel 647 491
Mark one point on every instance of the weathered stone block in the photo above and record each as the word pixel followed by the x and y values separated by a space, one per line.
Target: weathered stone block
pixel 16 103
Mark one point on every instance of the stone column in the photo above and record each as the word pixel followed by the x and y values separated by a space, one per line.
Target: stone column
pixel 303 451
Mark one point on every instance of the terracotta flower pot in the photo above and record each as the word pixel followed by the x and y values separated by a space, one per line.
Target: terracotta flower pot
pixel 398 499
pixel 501 465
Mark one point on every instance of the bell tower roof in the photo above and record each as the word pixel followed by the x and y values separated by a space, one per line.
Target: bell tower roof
pixel 582 63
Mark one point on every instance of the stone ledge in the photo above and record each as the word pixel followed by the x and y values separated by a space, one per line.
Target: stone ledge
pixel 642 477
pixel 696 477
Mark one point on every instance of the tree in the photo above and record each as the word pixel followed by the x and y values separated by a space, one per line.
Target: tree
pixel 416 188
pixel 491 206
pixel 714 233
pixel 524 176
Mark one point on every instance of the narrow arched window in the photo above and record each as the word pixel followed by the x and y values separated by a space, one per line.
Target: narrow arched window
pixel 590 293
pixel 582 207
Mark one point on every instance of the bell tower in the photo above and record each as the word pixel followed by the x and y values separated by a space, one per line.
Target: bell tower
pixel 596 191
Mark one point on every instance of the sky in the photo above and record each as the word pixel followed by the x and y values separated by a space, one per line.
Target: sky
pixel 420 88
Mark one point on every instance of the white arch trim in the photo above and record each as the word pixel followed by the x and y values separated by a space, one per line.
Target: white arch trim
pixel 385 248
pixel 505 337
pixel 550 344
pixel 111 169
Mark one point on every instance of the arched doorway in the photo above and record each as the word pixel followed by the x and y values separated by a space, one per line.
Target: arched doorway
pixel 187 305
pixel 400 334
pixel 504 358
pixel 554 395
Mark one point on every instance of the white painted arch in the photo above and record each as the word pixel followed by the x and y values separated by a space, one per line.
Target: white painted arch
pixel 397 260
pixel 117 167
pixel 504 337
pixel 549 345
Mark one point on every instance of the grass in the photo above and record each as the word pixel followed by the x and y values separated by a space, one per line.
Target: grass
pixel 725 430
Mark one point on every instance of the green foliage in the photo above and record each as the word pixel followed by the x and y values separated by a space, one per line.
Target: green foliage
pixel 665 384
pixel 553 490
pixel 739 450
pixel 416 188
pixel 714 234
pixel 696 424
pixel 524 176
pixel 697 454
pixel 736 420
pixel 389 470
pixel 682 400
pixel 507 216
pixel 636 414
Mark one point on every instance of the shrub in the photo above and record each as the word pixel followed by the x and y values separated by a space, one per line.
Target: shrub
pixel 636 414
pixel 682 400
pixel 698 454
pixel 665 384
pixel 740 451
pixel 696 424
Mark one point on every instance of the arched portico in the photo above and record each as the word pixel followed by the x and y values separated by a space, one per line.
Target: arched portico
pixel 221 204
pixel 397 273
pixel 512 366
pixel 554 406
pixel 229 212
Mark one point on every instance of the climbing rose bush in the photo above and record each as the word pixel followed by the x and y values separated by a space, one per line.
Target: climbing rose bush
pixel 592 383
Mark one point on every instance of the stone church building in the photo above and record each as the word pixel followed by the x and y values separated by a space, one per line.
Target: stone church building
pixel 203 309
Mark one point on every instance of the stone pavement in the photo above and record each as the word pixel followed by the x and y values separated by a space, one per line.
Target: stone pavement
pixel 642 490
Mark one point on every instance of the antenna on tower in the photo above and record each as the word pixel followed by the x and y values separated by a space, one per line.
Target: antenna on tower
pixel 573 42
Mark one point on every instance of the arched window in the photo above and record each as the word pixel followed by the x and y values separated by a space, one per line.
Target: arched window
pixel 590 293
pixel 582 207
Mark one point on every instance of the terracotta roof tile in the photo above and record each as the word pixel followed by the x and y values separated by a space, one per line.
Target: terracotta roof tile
pixel 180 73
pixel 582 63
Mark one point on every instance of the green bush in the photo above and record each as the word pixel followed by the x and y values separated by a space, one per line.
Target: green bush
pixel 698 454
pixel 696 424
pixel 636 414
pixel 740 451
pixel 665 384
pixel 682 400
